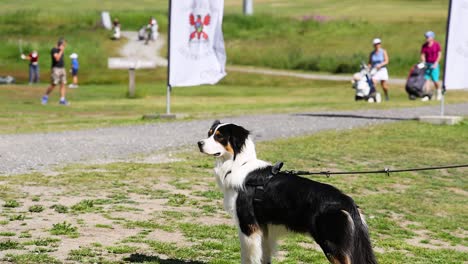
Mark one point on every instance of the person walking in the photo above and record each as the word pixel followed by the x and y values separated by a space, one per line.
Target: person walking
pixel 378 60
pixel 431 53
pixel 74 70
pixel 58 74
pixel 33 59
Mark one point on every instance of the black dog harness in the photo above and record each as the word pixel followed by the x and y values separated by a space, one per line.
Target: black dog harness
pixel 260 183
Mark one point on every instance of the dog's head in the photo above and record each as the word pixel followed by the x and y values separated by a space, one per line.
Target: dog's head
pixel 224 140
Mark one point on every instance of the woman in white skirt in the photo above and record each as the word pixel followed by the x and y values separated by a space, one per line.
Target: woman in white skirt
pixel 378 61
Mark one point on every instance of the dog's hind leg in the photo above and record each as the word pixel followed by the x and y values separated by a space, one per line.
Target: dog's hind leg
pixel 251 247
pixel 268 244
pixel 334 233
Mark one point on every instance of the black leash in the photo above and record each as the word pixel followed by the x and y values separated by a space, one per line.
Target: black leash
pixel 386 171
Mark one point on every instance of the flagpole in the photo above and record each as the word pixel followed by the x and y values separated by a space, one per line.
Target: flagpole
pixel 169 88
pixel 442 101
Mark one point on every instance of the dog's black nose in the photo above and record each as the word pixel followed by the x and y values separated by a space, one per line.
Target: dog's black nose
pixel 200 144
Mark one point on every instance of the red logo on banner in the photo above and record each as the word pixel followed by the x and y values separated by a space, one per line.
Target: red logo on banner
pixel 198 24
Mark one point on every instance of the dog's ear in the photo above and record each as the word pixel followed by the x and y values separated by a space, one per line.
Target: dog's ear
pixel 213 127
pixel 237 137
pixel 215 123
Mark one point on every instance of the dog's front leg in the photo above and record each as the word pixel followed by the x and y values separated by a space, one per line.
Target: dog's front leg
pixel 266 250
pixel 251 247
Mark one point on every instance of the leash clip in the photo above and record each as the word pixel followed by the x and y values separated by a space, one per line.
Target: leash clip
pixel 387 171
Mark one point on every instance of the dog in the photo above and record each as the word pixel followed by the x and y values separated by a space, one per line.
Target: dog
pixel 266 203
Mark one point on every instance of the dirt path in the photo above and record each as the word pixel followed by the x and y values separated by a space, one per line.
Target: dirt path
pixel 136 49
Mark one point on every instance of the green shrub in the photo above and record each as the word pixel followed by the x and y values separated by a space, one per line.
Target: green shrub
pixel 83 206
pixel 36 208
pixel 64 229
pixel 11 204
pixel 9 244
pixel 61 209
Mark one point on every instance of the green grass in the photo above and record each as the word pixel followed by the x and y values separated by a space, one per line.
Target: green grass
pixel 106 105
pixel 11 204
pixel 60 208
pixel 31 258
pixel 64 228
pixel 36 208
pixel 398 208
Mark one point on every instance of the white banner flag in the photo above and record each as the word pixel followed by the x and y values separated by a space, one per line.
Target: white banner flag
pixel 197 54
pixel 456 69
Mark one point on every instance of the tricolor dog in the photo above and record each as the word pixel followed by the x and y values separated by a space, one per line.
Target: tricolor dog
pixel 266 203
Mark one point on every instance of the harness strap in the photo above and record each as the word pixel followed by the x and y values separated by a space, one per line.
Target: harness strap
pixel 259 191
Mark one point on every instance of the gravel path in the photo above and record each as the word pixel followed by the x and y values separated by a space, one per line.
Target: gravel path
pixel 136 49
pixel 310 76
pixel 28 152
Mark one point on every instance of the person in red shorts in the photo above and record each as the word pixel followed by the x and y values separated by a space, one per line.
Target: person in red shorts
pixel 431 53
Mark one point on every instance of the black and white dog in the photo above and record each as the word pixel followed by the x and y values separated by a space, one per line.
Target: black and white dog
pixel 266 203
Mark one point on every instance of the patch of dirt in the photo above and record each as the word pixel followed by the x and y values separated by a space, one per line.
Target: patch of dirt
pixel 311 245
pixel 169 237
pixel 458 191
pixel 424 235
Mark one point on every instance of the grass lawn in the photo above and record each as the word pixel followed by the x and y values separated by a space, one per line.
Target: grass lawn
pixel 143 212
pixel 105 105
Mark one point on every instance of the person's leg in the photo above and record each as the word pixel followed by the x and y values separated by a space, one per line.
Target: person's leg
pixel 36 73
pixel 63 82
pixel 375 82
pixel 428 78
pixel 50 89
pixel 435 80
pixel 31 73
pixel 45 97
pixel 385 89
pixel 63 91
pixel 75 77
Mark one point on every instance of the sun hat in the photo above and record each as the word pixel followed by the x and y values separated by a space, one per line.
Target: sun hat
pixel 376 41
pixel 74 56
pixel 429 34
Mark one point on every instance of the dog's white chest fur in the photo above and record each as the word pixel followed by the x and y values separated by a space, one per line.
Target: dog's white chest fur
pixel 230 174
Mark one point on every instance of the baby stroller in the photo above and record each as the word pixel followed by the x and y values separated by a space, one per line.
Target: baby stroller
pixel 416 81
pixel 364 86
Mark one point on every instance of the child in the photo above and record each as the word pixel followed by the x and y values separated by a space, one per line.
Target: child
pixel 74 70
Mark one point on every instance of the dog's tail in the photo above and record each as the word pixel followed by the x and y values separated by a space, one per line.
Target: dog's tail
pixel 361 248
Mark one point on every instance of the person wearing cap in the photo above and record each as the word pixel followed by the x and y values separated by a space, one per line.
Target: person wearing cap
pixel 74 70
pixel 58 75
pixel 378 60
pixel 431 53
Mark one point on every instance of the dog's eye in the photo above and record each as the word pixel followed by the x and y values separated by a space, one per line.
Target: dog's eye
pixel 218 136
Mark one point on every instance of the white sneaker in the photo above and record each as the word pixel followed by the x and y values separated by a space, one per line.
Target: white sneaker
pixel 425 99
pixel 439 95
